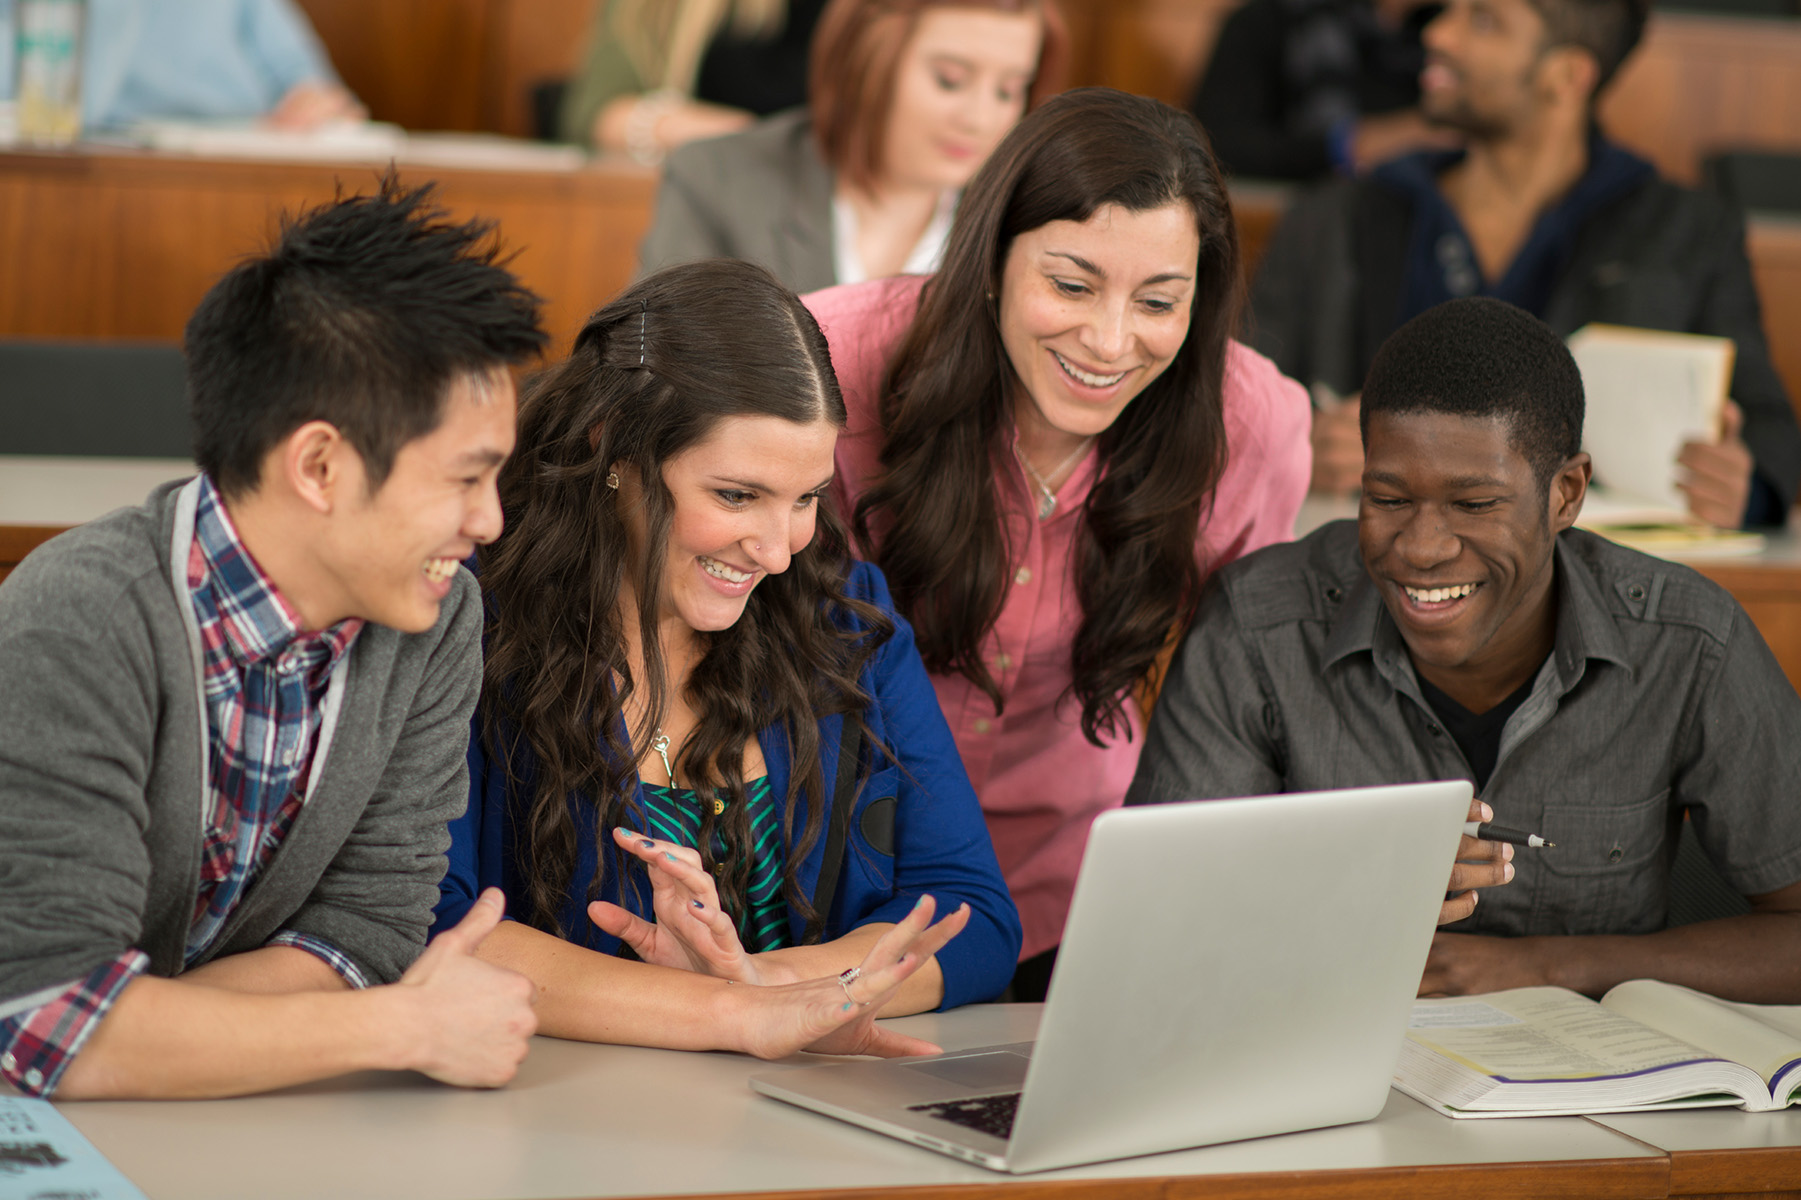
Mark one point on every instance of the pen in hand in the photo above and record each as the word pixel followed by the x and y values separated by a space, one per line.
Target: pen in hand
pixel 1497 833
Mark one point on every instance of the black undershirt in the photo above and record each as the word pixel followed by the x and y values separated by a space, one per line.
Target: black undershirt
pixel 1478 735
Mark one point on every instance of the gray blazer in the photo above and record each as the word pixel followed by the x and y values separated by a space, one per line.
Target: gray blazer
pixel 102 769
pixel 764 195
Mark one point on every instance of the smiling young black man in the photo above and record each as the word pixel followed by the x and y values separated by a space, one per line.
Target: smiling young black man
pixel 1461 628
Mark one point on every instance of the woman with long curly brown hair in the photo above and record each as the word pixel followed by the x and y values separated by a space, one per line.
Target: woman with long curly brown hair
pixel 1051 443
pixel 704 735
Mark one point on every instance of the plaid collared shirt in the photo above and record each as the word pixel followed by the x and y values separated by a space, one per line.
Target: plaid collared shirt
pixel 266 681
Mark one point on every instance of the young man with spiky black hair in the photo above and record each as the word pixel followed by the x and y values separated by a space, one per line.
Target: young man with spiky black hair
pixel 1460 628
pixel 233 720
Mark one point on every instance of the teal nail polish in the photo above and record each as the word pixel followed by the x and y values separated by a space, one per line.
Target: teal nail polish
pixel 846 1007
pixel 668 856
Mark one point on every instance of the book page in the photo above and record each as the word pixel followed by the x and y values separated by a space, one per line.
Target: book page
pixel 1764 1037
pixel 1540 1034
pixel 42 1154
pixel 1647 393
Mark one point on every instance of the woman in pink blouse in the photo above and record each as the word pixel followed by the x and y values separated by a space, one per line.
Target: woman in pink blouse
pixel 1051 443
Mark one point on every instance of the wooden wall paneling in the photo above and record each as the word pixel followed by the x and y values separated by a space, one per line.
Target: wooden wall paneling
pixel 1165 45
pixel 1775 248
pixel 417 63
pixel 16 541
pixel 1149 47
pixel 1697 84
pixel 576 236
pixel 1771 596
pixel 124 245
pixel 532 41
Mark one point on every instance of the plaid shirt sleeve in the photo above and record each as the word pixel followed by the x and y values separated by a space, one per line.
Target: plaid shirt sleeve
pixel 333 957
pixel 37 1045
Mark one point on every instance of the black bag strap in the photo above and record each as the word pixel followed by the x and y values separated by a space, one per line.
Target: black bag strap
pixel 844 788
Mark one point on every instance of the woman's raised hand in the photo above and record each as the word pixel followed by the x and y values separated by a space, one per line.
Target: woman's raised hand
pixel 691 932
pixel 836 1014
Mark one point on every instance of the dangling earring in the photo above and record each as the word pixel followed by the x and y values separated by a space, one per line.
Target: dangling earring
pixel 613 480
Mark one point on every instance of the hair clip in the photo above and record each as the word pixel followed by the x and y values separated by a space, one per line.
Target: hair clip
pixel 642 314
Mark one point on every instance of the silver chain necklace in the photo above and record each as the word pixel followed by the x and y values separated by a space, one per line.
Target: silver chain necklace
pixel 1047 503
pixel 660 743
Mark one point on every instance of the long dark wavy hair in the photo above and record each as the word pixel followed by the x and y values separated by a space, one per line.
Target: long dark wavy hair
pixel 932 517
pixel 651 374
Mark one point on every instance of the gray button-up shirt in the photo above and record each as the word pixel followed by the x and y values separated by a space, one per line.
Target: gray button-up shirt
pixel 1659 695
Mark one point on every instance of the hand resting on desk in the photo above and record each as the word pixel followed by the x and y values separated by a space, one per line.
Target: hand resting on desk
pixel 1754 958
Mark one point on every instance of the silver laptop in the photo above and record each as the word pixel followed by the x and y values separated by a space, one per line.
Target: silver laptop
pixel 1231 968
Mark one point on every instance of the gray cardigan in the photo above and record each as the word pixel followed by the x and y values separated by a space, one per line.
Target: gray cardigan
pixel 763 195
pixel 102 769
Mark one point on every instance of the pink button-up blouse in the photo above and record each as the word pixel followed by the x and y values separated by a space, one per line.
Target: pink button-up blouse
pixel 1040 781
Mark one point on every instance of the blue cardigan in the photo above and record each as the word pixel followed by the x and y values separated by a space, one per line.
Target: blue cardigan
pixel 939 845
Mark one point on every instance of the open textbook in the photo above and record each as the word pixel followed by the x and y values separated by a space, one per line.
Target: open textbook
pixel 1546 1051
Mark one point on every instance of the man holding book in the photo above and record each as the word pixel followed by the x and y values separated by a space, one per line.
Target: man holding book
pixel 1461 628
pixel 1538 209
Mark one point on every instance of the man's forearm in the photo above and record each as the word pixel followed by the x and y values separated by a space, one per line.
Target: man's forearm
pixel 1754 958
pixel 271 970
pixel 169 1038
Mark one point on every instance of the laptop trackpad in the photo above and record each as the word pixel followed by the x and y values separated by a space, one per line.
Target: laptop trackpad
pixel 998 1069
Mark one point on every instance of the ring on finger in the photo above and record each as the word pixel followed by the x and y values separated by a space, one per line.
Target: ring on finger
pixel 848 977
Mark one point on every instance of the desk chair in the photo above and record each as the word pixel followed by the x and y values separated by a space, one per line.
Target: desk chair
pixel 93 399
pixel 1753 179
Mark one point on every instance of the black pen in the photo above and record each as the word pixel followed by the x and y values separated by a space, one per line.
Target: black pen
pixel 1496 833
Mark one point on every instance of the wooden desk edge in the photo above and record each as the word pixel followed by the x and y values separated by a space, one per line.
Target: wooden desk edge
pixel 1717 1172
pixel 1622 1178
pixel 16 541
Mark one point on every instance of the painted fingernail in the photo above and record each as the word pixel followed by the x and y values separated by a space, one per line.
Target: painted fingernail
pixel 668 856
pixel 846 1007
pixel 921 902
pixel 648 844
pixel 698 904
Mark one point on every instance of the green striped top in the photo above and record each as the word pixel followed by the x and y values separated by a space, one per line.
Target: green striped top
pixel 674 814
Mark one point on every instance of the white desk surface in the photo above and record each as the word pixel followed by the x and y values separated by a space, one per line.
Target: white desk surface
pixel 1709 1129
pixel 43 489
pixel 584 1120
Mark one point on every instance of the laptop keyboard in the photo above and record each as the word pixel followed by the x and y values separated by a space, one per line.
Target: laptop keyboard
pixel 992 1115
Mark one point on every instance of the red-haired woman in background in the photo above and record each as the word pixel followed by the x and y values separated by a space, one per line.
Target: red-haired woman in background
pixel 907 98
pixel 1051 443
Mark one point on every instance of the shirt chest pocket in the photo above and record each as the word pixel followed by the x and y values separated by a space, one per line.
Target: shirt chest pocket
pixel 1608 871
pixel 873 832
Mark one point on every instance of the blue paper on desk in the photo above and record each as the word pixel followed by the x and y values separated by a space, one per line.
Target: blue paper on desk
pixel 43 1157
